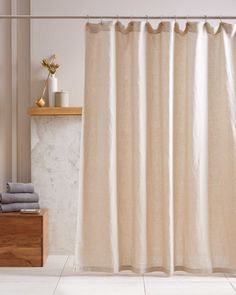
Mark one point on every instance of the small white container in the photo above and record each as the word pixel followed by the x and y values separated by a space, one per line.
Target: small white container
pixel 62 99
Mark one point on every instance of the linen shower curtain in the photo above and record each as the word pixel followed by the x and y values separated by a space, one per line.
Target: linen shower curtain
pixel 158 154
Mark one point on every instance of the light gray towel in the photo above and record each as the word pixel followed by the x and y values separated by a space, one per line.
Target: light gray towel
pixel 20 187
pixel 8 198
pixel 14 207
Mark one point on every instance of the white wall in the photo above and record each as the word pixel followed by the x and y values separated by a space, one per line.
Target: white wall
pixel 66 38
pixel 5 96
pixel 14 78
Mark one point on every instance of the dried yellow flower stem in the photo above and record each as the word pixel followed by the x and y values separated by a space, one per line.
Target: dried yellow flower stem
pixel 46 82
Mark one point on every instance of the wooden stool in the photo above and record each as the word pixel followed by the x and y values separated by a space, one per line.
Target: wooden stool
pixel 23 239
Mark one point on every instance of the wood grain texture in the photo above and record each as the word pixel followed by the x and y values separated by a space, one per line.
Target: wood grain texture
pixel 44 248
pixel 23 239
pixel 55 111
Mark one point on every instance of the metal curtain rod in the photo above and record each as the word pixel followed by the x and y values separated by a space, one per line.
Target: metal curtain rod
pixel 111 17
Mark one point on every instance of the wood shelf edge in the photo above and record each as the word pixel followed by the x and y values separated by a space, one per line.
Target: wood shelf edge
pixel 55 111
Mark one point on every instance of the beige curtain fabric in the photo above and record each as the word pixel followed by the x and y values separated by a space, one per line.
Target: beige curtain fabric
pixel 158 168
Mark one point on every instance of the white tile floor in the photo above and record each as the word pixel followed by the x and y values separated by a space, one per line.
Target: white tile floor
pixel 58 278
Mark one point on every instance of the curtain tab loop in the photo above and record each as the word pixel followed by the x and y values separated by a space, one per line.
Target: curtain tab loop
pixel 147 18
pixel 205 17
pixel 161 19
pixel 87 19
pixel 101 20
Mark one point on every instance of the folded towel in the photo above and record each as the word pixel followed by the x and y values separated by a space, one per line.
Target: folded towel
pixel 18 206
pixel 7 198
pixel 20 187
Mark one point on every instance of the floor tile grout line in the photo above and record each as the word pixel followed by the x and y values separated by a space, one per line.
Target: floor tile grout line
pixel 231 284
pixel 54 292
pixel 144 286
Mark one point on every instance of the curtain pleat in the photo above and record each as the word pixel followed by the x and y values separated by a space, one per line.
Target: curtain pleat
pixel 158 151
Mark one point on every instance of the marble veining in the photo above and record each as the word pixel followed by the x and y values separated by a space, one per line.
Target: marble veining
pixel 55 151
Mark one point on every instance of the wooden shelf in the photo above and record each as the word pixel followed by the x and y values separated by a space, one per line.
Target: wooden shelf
pixel 55 111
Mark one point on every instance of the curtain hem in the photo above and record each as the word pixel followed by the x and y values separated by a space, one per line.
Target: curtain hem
pixel 78 268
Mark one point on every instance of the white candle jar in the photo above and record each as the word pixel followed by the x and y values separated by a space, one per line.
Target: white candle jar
pixel 62 99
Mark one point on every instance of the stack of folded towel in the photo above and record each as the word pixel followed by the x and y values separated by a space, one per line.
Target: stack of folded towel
pixel 19 196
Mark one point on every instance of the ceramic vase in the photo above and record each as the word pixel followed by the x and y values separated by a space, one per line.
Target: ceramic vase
pixel 52 88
